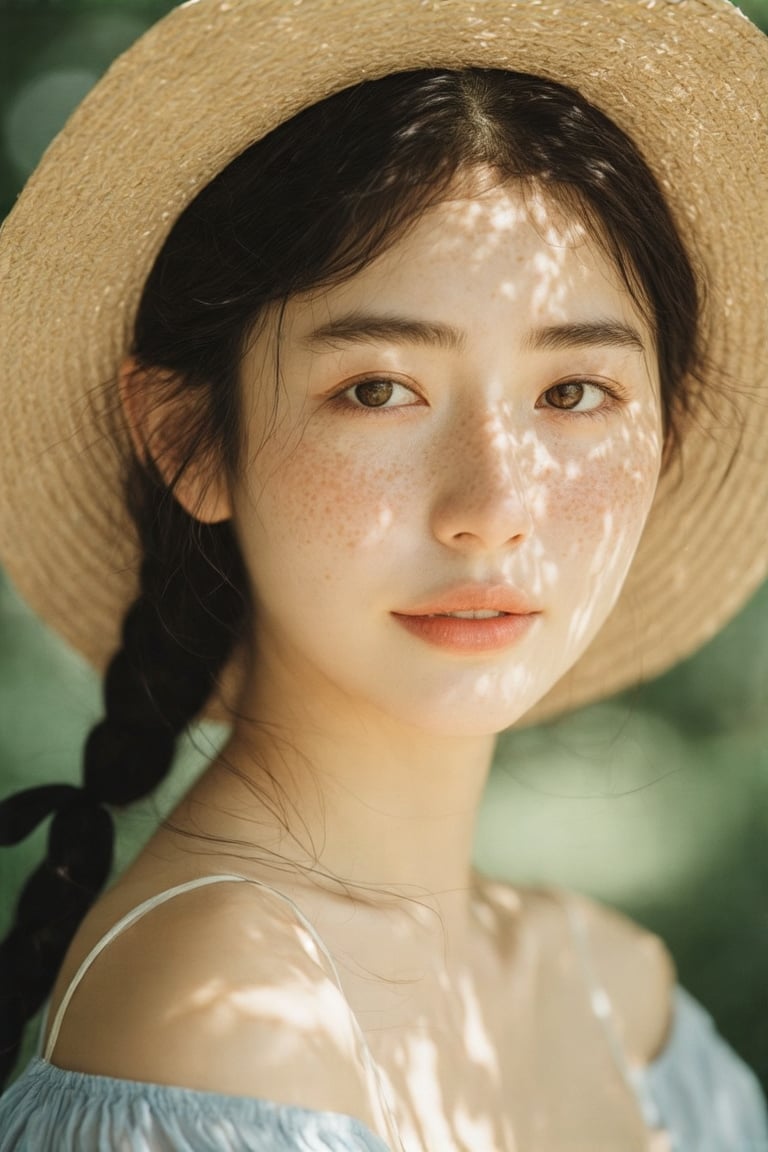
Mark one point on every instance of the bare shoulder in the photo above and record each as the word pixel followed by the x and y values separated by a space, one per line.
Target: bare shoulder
pixel 638 973
pixel 220 989
pixel 633 964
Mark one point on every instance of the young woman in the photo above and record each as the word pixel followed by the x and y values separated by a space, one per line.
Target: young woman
pixel 401 356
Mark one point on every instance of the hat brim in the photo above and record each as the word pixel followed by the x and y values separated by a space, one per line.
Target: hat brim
pixel 688 81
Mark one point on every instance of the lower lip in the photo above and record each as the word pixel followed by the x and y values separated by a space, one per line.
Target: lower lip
pixel 461 635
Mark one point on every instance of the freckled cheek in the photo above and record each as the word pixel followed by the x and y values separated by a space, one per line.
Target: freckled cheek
pixel 315 497
pixel 599 500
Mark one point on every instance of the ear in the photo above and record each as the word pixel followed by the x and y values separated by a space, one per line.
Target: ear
pixel 156 421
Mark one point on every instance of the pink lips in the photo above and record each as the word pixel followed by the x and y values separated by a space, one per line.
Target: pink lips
pixel 428 620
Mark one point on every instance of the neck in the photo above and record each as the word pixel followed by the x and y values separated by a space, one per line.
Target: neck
pixel 350 794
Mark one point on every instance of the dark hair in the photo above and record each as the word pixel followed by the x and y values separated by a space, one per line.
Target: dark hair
pixel 307 206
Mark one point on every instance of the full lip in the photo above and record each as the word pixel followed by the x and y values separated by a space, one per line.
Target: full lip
pixel 474 597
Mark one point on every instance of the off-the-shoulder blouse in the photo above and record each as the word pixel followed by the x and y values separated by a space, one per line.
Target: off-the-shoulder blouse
pixel 697 1090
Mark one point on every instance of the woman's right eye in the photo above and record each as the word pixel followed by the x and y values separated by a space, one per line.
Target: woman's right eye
pixel 379 393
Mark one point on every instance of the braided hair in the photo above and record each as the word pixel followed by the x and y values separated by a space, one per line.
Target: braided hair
pixel 309 205
pixel 176 636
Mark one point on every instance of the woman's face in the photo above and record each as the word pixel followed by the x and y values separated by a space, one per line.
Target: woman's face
pixel 470 424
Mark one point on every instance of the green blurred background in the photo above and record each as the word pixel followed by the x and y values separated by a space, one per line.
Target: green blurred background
pixel 654 801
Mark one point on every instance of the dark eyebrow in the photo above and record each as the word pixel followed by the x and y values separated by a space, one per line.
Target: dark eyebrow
pixel 602 333
pixel 361 327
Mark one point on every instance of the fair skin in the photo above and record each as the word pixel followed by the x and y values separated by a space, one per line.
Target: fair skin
pixel 503 431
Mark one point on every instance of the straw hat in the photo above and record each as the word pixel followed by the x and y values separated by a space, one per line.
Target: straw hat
pixel 687 79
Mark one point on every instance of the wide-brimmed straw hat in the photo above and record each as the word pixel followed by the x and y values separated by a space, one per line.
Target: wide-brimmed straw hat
pixel 686 79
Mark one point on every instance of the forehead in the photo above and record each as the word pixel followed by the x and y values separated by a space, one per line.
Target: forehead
pixel 492 242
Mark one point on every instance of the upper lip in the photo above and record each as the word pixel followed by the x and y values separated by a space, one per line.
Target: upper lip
pixel 473 598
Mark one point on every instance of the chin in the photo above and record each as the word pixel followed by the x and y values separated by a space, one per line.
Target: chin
pixel 468 718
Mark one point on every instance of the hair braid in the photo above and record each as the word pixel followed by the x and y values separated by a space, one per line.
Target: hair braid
pixel 176 636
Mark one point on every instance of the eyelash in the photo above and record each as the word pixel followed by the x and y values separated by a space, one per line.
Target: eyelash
pixel 340 400
pixel 614 396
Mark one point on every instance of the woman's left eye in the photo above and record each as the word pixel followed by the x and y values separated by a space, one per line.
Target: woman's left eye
pixel 378 393
pixel 577 396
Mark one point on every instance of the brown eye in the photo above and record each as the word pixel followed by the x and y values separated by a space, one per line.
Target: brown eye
pixel 565 395
pixel 576 396
pixel 374 393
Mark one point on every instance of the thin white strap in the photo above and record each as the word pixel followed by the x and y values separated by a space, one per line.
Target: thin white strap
pixel 600 1003
pixel 387 1113
pixel 126 921
pixel 168 894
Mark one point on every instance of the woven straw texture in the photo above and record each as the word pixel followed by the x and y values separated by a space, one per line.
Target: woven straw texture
pixel 687 79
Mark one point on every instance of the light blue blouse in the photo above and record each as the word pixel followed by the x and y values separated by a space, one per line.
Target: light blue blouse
pixel 698 1089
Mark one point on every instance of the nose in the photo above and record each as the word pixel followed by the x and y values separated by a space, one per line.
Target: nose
pixel 482 502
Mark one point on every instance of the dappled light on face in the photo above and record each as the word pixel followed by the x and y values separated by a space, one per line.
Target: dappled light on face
pixel 559 237
pixel 607 547
pixel 641 442
pixel 479 468
pixel 383 520
pixel 550 293
pixel 504 217
pixel 555 510
pixel 489 223
pixel 512 683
